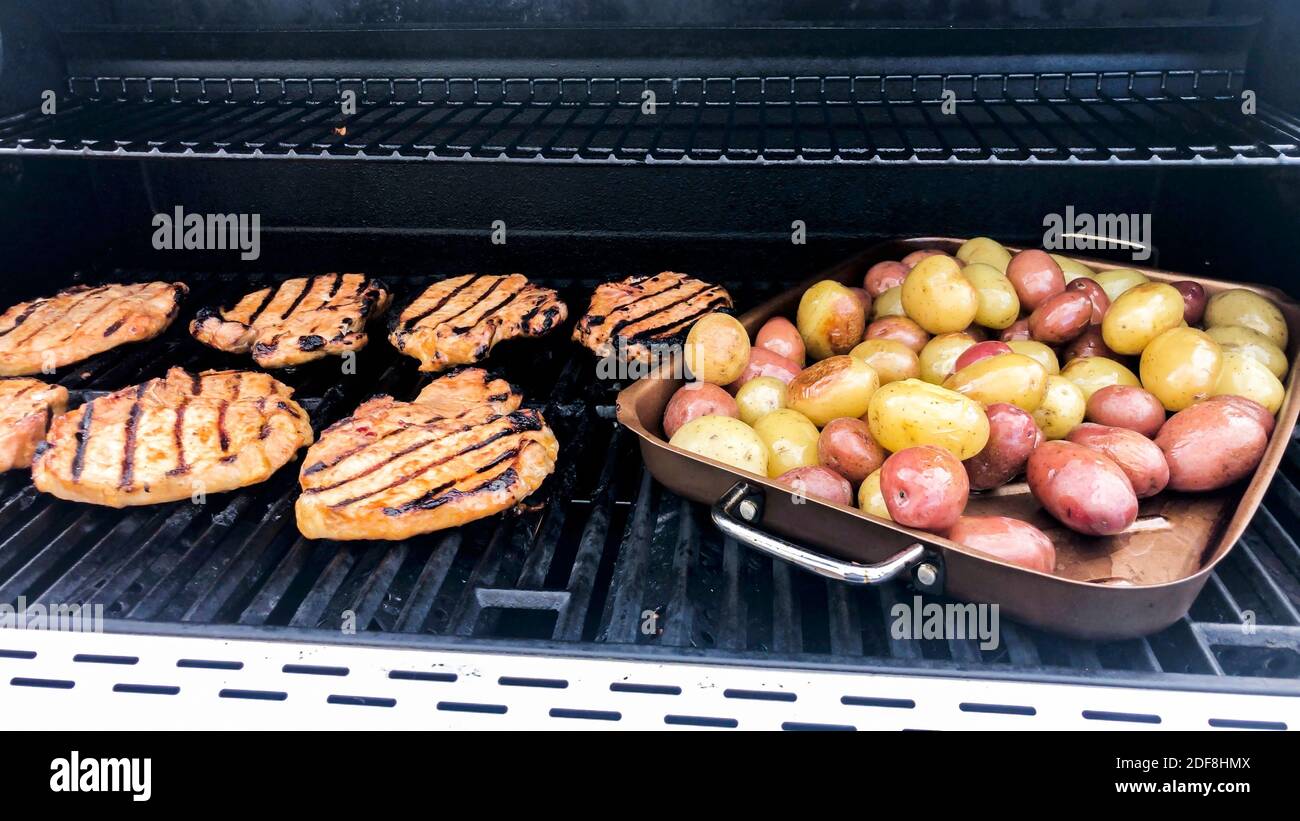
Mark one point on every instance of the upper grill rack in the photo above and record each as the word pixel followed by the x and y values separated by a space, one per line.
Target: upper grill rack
pixel 1128 117
pixel 601 560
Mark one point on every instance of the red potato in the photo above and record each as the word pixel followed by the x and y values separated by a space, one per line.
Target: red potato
pixel 1194 300
pixel 1251 407
pixel 924 487
pixel 977 332
pixel 916 256
pixel 781 337
pixel 980 350
pixel 1095 294
pixel 1088 343
pixel 1035 276
pixel 763 362
pixel 1061 317
pixel 900 329
pixel 696 399
pixel 817 482
pixel 884 275
pixel 1127 406
pixel 1013 436
pixel 1142 462
pixel 1006 539
pixel 1081 488
pixel 1018 330
pixel 847 447
pixel 1213 443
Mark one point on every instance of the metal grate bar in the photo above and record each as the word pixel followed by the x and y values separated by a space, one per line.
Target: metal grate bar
pixel 1132 117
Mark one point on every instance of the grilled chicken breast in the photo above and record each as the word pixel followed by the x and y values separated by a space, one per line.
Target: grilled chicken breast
pixel 461 451
pixel 45 334
pixel 297 321
pixel 639 313
pixel 26 408
pixel 459 321
pixel 168 438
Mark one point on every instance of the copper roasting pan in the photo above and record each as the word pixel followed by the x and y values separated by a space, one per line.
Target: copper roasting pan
pixel 1117 587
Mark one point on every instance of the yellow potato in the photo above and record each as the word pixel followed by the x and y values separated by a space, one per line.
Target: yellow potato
pixel 984 250
pixel 1072 268
pixel 870 499
pixel 834 387
pixel 1181 367
pixel 1062 409
pixel 830 319
pixel 999 306
pixel 723 439
pixel 1249 310
pixel 717 349
pixel 1012 378
pixel 759 397
pixel 1252 343
pixel 1142 313
pixel 937 297
pixel 1119 280
pixel 1243 375
pixel 1092 373
pixel 939 356
pixel 911 412
pixel 1038 352
pixel 889 303
pixel 791 440
pixel 891 360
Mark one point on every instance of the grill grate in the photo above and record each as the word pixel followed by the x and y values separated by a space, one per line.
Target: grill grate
pixel 601 560
pixel 1128 117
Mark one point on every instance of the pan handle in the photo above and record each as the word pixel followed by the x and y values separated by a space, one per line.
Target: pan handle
pixel 743 504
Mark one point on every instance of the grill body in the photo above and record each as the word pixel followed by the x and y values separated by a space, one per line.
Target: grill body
pixel 539 126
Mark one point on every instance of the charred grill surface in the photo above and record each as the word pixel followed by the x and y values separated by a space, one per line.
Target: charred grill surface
pixel 297 320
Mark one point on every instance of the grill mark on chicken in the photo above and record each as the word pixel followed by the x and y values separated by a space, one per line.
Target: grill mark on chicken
pixel 519 422
pixel 645 312
pixel 462 450
pixel 266 301
pixel 297 321
pixel 293 306
pixel 442 495
pixel 403 428
pixel 80 322
pixel 82 297
pixel 413 321
pixel 458 321
pixel 223 437
pixel 128 443
pixel 178 439
pixel 21 318
pixel 667 330
pixel 170 432
pixel 83 439
pixel 623 324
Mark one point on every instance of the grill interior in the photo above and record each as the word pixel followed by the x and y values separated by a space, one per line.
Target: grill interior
pixel 600 560
pixel 1124 116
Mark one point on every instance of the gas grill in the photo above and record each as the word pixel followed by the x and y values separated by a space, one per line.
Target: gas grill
pixel 604 598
